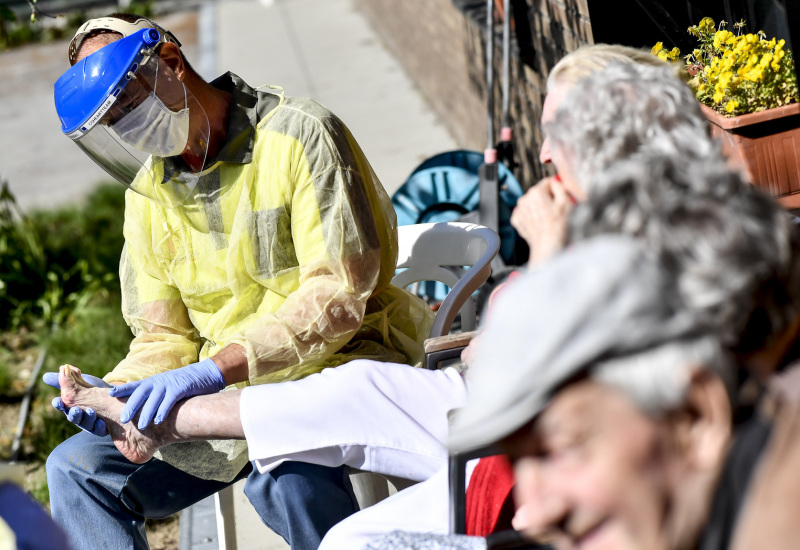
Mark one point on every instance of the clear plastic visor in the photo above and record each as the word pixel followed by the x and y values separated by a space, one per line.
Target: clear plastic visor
pixel 153 137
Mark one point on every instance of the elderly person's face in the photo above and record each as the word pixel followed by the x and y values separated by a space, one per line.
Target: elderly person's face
pixel 593 471
pixel 551 102
pixel 550 154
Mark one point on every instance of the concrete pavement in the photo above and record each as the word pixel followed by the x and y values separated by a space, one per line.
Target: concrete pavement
pixel 319 48
pixel 44 168
pixel 326 50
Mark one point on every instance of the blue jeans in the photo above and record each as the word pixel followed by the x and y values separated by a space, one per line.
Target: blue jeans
pixel 101 499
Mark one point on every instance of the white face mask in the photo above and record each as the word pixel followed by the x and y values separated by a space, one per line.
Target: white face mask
pixel 152 128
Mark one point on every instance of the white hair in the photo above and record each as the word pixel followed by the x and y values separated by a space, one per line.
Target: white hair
pixel 658 379
pixel 624 109
pixel 587 60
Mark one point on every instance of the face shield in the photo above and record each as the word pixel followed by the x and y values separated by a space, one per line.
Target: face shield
pixel 128 111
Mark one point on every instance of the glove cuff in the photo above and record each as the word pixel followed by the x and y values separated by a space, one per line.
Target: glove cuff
pixel 214 372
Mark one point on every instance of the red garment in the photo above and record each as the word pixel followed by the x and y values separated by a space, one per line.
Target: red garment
pixel 491 481
pixel 489 488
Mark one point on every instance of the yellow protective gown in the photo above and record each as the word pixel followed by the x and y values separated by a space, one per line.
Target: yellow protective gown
pixel 288 251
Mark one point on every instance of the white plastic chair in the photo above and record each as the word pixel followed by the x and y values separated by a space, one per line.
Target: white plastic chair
pixel 437 252
pixel 427 252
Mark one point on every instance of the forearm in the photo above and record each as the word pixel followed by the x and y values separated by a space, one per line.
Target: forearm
pixel 232 362
pixel 214 416
pixel 315 321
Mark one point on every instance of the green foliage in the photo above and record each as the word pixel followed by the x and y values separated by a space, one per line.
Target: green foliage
pixel 22 261
pixel 40 491
pixel 47 429
pixel 92 232
pixel 6 14
pixel 145 9
pixel 52 263
pixel 60 267
pixel 6 377
pixel 13 352
pixel 16 32
pixel 94 339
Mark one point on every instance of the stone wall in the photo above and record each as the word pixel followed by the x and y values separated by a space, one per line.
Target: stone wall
pixel 441 45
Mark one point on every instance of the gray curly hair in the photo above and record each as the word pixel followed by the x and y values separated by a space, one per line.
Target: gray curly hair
pixel 626 108
pixel 734 251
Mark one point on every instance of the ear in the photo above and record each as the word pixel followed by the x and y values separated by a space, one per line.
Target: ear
pixel 709 433
pixel 171 54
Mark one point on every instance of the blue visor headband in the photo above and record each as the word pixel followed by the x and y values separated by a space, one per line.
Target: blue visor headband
pixel 88 89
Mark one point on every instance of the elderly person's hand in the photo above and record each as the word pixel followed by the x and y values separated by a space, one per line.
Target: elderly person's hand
pixel 469 351
pixel 540 217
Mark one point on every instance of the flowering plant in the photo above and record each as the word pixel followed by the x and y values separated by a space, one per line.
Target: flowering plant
pixel 736 74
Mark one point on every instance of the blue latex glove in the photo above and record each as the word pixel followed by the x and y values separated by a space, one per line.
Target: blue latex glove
pixel 87 420
pixel 158 394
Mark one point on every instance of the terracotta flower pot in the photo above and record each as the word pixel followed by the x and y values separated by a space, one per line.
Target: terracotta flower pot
pixel 767 144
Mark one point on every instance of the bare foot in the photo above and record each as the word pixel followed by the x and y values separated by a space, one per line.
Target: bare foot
pixel 135 445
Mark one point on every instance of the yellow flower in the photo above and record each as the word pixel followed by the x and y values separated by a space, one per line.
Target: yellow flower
pixel 755 75
pixel 657 48
pixel 727 65
pixel 706 25
pixel 662 55
pixel 737 73
pixel 674 54
pixel 722 37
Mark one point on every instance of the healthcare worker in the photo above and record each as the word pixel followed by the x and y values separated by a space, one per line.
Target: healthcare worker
pixel 259 248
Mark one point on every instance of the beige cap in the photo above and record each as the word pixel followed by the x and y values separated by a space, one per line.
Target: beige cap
pixel 117 25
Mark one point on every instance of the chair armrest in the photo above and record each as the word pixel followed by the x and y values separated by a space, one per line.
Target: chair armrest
pixel 449 341
pixel 441 348
pixel 456 473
